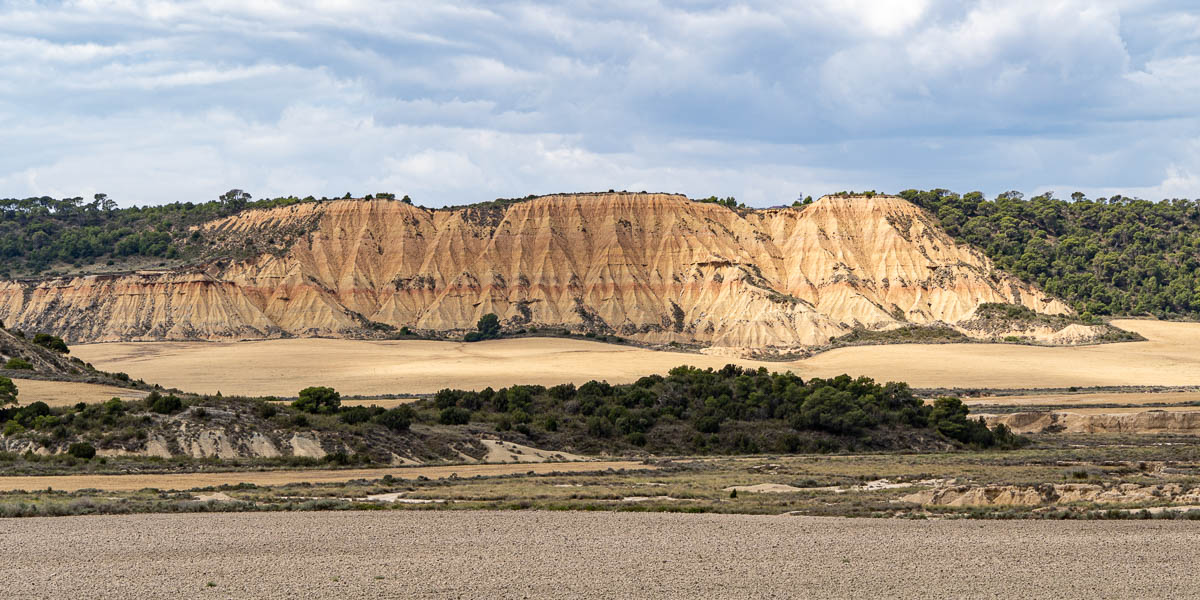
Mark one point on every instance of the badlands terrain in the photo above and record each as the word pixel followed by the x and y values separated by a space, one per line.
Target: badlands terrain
pixel 653 268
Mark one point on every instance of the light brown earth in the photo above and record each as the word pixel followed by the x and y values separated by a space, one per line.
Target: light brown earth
pixel 606 555
pixel 1170 356
pixel 652 267
pixel 1088 399
pixel 360 367
pixel 70 393
pixel 187 481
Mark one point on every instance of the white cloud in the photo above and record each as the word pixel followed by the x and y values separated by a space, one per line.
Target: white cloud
pixel 460 101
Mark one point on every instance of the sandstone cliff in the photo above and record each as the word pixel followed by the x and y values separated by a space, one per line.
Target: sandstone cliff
pixel 657 268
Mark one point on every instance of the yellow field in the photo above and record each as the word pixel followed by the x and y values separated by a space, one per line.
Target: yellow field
pixel 283 367
pixel 1171 356
pixel 65 393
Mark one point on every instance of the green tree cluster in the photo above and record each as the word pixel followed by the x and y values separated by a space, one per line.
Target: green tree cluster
pixel 693 409
pixel 1108 256
pixel 38 233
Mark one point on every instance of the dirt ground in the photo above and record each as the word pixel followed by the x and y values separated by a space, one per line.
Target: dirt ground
pixel 67 393
pixel 1089 399
pixel 187 481
pixel 531 554
pixel 1171 356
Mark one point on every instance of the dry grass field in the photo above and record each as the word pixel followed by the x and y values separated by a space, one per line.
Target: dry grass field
pixel 69 393
pixel 1170 356
pixel 361 367
pixel 186 481
pixel 457 554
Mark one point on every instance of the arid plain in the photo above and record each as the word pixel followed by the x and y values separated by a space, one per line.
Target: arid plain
pixel 533 554
pixel 1170 356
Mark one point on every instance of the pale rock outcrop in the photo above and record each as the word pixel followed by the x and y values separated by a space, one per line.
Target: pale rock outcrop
pixel 1066 421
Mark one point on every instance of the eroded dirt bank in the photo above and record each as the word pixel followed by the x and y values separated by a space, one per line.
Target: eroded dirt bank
pixel 593 555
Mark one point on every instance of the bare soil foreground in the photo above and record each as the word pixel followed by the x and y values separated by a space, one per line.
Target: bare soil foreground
pixel 1171 356
pixel 593 555
pixel 187 481
pixel 69 393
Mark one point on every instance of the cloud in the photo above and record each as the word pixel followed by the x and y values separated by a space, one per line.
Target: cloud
pixel 463 101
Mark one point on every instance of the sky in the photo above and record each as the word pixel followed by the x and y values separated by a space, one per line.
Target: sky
pixel 459 102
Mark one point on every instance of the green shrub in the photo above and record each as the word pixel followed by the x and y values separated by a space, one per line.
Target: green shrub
pixel 265 409
pixel 318 400
pixel 52 342
pixel 164 405
pixel 397 419
pixel 353 415
pixel 8 392
pixel 18 363
pixel 487 328
pixel 454 416
pixel 82 450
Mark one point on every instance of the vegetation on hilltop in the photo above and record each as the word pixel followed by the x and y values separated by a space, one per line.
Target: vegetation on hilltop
pixel 1108 256
pixel 45 356
pixel 40 234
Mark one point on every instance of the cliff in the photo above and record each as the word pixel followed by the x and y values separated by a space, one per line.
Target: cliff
pixel 657 268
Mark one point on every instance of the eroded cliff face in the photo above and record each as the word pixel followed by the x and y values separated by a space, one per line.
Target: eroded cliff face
pixel 653 267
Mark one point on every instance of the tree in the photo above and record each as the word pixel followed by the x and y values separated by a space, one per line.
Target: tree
pixel 82 450
pixel 235 199
pixel 52 342
pixel 454 416
pixel 318 400
pixel 397 419
pixel 489 325
pixel 8 392
pixel 488 328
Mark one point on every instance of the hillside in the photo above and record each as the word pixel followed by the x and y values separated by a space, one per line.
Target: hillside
pixel 30 356
pixel 687 411
pixel 656 268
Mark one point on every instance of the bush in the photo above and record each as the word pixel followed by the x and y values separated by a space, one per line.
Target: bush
pixel 265 409
pixel 164 405
pixel 318 400
pixel 488 328
pixel 398 419
pixel 52 342
pixel 8 392
pixel 82 450
pixel 18 363
pixel 454 416
pixel 353 415
pixel 28 414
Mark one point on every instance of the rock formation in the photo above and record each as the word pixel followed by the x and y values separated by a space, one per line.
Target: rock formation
pixel 656 268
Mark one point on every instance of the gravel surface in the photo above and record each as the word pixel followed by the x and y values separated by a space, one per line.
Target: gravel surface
pixel 594 555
